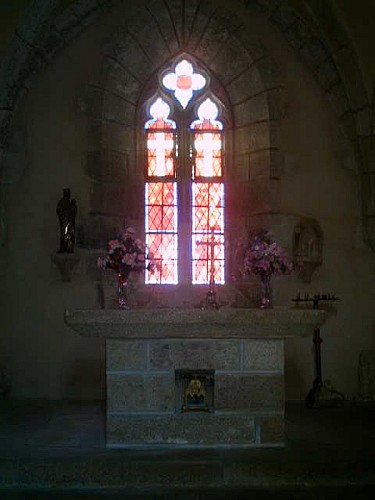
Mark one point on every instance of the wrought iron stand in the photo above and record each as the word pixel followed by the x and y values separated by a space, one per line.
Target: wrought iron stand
pixel 312 397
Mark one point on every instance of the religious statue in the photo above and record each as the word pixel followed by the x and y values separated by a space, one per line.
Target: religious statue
pixel 66 210
pixel 195 396
pixel 307 247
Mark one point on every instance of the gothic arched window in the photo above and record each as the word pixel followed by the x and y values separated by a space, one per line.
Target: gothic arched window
pixel 184 188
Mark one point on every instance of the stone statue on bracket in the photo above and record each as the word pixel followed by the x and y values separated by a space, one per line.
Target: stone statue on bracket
pixel 66 210
pixel 307 247
pixel 64 258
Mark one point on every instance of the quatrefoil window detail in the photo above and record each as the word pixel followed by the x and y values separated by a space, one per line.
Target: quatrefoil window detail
pixel 183 82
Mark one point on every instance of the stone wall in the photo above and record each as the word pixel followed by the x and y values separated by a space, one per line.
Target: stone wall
pixel 71 124
pixel 143 407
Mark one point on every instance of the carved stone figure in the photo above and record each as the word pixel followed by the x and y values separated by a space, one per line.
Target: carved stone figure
pixel 307 247
pixel 66 210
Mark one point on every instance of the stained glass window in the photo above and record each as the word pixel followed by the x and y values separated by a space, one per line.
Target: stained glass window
pixel 184 82
pixel 184 188
pixel 161 230
pixel 207 196
pixel 161 194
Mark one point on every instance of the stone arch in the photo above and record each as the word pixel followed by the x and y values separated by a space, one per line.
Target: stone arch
pixel 246 73
pixel 322 42
pixel 317 36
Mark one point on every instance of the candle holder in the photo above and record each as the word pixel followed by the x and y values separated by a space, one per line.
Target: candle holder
pixel 312 398
pixel 211 294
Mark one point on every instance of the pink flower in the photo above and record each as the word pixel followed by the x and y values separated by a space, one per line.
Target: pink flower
pixel 263 255
pixel 126 254
pixel 140 245
pixel 102 262
pixel 129 259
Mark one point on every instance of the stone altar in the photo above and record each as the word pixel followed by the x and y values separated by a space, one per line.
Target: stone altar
pixel 242 348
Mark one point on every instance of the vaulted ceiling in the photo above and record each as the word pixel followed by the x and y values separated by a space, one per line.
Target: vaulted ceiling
pixel 313 28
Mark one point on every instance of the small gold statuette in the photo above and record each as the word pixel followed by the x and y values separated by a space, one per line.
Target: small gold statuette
pixel 195 396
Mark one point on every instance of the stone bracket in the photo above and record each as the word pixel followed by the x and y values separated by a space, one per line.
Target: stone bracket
pixel 65 263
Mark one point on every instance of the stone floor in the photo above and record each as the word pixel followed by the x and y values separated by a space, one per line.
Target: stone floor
pixel 53 450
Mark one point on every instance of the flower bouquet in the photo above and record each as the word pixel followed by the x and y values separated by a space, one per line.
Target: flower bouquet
pixel 124 256
pixel 264 257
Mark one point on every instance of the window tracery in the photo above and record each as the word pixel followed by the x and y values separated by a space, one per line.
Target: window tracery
pixel 184 188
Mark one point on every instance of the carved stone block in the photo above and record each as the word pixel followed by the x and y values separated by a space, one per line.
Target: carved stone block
pixel 195 354
pixel 199 429
pixel 130 393
pixel 263 354
pixel 126 355
pixel 248 392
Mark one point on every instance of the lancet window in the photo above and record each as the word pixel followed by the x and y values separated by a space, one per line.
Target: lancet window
pixel 184 181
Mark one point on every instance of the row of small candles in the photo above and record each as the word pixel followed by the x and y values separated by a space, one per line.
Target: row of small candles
pixel 315 299
pixel 306 297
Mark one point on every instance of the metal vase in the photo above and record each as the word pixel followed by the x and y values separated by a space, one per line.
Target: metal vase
pixel 265 292
pixel 122 292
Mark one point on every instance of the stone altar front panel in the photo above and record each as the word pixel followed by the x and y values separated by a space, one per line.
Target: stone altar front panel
pixel 243 349
pixel 248 390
